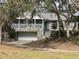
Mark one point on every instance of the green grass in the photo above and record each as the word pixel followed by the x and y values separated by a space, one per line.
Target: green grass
pixel 17 53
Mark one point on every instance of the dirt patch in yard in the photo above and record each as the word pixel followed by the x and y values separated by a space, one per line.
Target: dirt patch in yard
pixel 54 45
pixel 45 45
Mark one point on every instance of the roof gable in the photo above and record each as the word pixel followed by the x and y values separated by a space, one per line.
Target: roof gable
pixel 48 16
pixel 45 16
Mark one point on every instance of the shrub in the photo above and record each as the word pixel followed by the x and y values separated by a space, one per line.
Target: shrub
pixel 75 37
pixel 12 33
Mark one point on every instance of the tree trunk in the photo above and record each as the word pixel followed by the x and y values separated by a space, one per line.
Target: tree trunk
pixel 68 33
pixel 0 34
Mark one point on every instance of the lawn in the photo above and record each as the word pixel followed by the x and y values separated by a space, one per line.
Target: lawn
pixel 7 52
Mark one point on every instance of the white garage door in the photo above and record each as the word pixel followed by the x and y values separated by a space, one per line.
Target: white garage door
pixel 29 36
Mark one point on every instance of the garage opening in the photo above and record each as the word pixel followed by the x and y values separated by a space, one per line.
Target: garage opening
pixel 27 36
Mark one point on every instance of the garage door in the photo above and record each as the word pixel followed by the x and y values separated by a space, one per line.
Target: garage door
pixel 29 36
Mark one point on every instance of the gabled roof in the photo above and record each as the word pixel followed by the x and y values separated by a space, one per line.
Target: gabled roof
pixel 37 17
pixel 50 16
pixel 20 17
pixel 45 16
pixel 27 15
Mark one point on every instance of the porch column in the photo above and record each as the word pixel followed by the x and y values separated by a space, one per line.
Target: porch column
pixel 19 24
pixel 42 24
pixel 27 23
pixel 68 33
pixel 76 26
pixel 50 26
pixel 57 25
pixel 34 22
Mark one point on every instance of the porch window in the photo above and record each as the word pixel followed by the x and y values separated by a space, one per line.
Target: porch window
pixel 22 21
pixel 31 21
pixel 38 21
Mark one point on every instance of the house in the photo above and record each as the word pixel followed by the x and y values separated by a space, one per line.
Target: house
pixel 40 26
pixel 33 29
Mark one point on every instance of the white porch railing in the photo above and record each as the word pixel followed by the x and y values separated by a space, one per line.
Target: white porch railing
pixel 26 26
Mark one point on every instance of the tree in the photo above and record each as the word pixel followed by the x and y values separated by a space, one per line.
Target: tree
pixel 12 9
pixel 60 7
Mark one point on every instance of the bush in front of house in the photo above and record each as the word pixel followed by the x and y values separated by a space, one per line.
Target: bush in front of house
pixel 9 34
pixel 12 33
pixel 75 37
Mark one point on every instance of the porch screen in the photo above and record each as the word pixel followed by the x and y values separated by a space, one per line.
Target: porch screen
pixel 22 21
pixel 38 21
pixel 31 21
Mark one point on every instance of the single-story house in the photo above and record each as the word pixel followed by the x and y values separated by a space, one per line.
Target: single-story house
pixel 39 27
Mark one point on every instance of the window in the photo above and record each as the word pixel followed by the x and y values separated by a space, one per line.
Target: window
pixel 57 0
pixel 31 21
pixel 22 21
pixel 39 21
